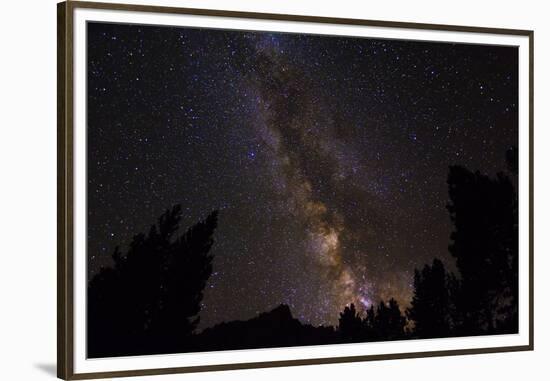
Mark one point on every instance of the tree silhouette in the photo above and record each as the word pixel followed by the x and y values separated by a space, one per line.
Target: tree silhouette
pixel 512 160
pixel 484 243
pixel 149 300
pixel 369 324
pixel 385 322
pixel 431 302
pixel 509 311
pixel 389 322
pixel 350 324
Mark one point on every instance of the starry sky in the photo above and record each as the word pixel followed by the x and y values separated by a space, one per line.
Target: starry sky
pixel 326 156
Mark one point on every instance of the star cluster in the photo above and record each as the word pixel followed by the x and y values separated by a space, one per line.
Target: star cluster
pixel 326 156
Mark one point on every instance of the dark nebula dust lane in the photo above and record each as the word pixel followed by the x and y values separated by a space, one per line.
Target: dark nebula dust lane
pixel 327 157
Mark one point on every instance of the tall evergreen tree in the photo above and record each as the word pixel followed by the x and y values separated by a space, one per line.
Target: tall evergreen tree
pixel 349 324
pixel 484 243
pixel 369 324
pixel 509 309
pixel 431 304
pixel 389 323
pixel 148 301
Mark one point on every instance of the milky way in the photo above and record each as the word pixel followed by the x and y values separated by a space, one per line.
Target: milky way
pixel 326 156
pixel 302 142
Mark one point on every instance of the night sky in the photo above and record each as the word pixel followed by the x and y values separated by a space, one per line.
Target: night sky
pixel 327 157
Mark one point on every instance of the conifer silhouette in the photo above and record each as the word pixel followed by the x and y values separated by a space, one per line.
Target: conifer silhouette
pixel 431 302
pixel 484 243
pixel 349 324
pixel 149 300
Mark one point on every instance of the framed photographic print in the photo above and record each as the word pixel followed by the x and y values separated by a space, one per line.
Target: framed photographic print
pixel 240 190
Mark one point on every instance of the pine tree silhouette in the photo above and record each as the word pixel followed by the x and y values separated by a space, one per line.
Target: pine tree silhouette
pixel 369 324
pixel 431 303
pixel 389 320
pixel 485 245
pixel 148 301
pixel 349 324
pixel 385 322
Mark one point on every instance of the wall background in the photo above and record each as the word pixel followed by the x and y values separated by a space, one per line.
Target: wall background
pixel 28 188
